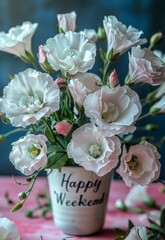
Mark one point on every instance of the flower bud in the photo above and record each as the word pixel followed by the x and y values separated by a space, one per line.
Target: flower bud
pixel 156 38
pixel 150 202
pixel 22 195
pixel 101 33
pixel 150 127
pixel 154 111
pixel 29 213
pixel 113 79
pixel 17 207
pixel 63 128
pixel 42 59
pixel 2 138
pixel 61 83
pixel 120 205
pixel 41 55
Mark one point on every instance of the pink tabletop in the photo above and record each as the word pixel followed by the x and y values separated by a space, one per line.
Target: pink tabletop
pixel 32 229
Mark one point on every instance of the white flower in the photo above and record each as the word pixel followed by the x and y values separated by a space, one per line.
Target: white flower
pixel 82 84
pixel 30 96
pixel 18 39
pixel 137 233
pixel 29 153
pixel 8 230
pixel 145 66
pixel 160 91
pixel 137 196
pixel 67 21
pixel 140 165
pixel 160 55
pixel 90 34
pixel 159 106
pixel 92 150
pixel 70 52
pixel 119 37
pixel 154 216
pixel 113 110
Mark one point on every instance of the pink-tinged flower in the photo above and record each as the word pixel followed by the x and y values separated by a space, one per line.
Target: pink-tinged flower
pixel 113 79
pixel 154 216
pixel 145 66
pixel 8 229
pixel 18 39
pixel 140 165
pixel 83 84
pixel 137 196
pixel 137 233
pixel 67 21
pixel 91 34
pixel 41 55
pixel 30 96
pixel 63 128
pixel 119 37
pixel 113 110
pixel 70 52
pixel 160 91
pixel 28 154
pixel 92 150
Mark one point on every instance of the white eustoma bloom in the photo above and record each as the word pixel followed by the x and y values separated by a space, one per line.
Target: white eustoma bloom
pixel 159 106
pixel 119 37
pixel 92 150
pixel 8 230
pixel 113 110
pixel 160 91
pixel 18 39
pixel 90 34
pixel 137 233
pixel 67 21
pixel 145 66
pixel 137 196
pixel 70 52
pixel 82 84
pixel 30 96
pixel 28 154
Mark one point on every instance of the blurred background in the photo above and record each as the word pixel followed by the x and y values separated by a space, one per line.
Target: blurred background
pixel 145 15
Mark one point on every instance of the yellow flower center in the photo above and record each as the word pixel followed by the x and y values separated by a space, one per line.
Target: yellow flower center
pixel 34 151
pixel 111 113
pixel 95 150
pixel 133 163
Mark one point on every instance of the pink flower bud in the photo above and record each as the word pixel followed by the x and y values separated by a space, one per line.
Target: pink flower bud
pixel 41 55
pixel 61 83
pixel 63 128
pixel 113 79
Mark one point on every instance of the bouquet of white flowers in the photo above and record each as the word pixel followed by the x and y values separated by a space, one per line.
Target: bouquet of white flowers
pixel 75 117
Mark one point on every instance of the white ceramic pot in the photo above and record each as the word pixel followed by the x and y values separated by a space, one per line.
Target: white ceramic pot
pixel 79 200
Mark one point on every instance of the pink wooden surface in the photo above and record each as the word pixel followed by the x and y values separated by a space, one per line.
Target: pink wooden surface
pixel 32 229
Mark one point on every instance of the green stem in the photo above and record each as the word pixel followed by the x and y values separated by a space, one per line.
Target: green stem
pixel 14 131
pixel 34 65
pixel 55 139
pixel 144 116
pixel 105 69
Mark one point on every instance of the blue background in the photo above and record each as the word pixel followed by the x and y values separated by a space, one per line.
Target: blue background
pixel 146 15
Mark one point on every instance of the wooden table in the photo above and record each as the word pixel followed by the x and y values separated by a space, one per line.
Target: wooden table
pixel 32 229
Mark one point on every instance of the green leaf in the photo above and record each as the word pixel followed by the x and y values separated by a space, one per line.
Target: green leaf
pixel 130 225
pixel 157 228
pixel 49 135
pixel 120 232
pixel 162 217
pixel 5 120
